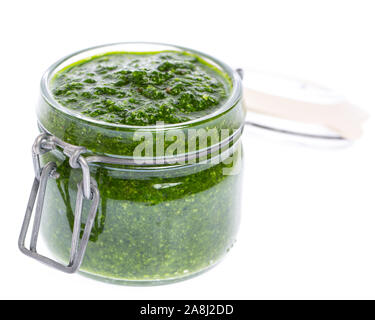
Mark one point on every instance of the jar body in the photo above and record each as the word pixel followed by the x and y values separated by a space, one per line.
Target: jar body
pixel 156 222
pixel 152 226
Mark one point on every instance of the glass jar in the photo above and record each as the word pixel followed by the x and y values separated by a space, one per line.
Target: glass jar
pixel 165 214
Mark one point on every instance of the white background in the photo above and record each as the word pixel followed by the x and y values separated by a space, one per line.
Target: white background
pixel 308 226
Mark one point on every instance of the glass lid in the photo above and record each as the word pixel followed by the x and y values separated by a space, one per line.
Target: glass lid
pixel 282 107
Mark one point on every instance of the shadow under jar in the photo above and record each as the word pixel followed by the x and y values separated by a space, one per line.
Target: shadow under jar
pixel 165 214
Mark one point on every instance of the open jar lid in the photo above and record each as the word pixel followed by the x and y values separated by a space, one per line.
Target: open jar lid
pixel 297 110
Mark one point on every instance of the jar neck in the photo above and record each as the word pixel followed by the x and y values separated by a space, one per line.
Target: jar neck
pixel 159 141
pixel 217 151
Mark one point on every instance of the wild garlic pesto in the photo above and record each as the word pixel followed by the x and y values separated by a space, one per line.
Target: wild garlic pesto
pixel 155 223
pixel 142 88
pixel 150 226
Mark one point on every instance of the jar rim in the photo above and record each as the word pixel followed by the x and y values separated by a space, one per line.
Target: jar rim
pixel 234 96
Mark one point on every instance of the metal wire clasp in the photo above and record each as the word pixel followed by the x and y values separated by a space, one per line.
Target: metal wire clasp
pixel 86 189
pixel 46 142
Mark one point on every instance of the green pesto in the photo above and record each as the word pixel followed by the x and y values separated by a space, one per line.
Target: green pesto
pixel 142 88
pixel 152 224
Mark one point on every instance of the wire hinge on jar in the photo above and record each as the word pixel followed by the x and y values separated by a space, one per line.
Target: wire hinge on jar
pixel 87 189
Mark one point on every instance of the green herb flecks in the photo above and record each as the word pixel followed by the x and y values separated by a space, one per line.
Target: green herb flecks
pixel 141 89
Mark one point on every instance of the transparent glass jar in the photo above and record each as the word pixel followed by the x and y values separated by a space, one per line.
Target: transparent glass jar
pixel 160 218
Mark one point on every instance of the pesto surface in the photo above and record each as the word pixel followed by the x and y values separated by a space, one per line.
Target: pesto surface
pixel 142 88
